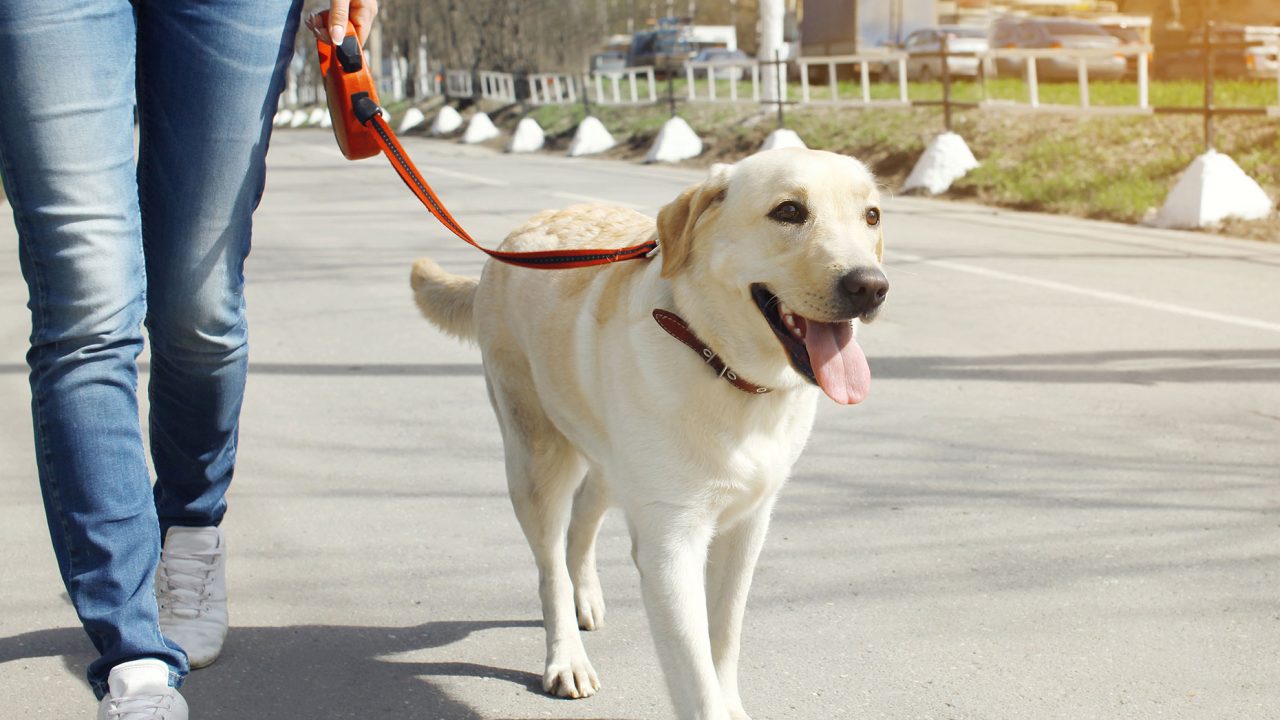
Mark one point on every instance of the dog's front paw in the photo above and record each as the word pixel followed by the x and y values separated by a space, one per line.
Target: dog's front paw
pixel 590 603
pixel 571 678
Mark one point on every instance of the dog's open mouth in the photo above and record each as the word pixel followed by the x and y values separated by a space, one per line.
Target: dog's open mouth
pixel 826 353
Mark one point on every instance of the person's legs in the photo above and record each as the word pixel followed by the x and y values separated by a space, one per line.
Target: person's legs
pixel 209 75
pixel 66 151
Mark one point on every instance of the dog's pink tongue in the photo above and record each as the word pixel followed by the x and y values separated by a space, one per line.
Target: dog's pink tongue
pixel 838 361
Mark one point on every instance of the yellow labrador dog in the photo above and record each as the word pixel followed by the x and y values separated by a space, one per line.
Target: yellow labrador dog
pixel 689 418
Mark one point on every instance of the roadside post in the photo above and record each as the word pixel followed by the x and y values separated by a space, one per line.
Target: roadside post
pixel 671 92
pixel 1193 202
pixel 946 81
pixel 780 73
pixel 947 158
pixel 782 137
pixel 1206 48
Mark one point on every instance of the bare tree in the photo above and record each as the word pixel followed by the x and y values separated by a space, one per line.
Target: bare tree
pixel 533 35
pixel 513 35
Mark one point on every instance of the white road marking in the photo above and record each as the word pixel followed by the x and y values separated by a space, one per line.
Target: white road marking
pixel 1097 294
pixel 591 199
pixel 468 177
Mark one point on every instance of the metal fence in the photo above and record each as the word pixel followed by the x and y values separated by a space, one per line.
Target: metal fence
pixel 1030 58
pixel 831 68
pixel 624 87
pixel 499 86
pixel 715 74
pixel 551 89
pixel 459 84
pixel 820 82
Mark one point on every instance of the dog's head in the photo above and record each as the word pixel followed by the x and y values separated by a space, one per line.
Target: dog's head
pixel 772 260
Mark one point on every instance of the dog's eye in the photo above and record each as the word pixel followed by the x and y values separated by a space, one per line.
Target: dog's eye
pixel 873 216
pixel 790 212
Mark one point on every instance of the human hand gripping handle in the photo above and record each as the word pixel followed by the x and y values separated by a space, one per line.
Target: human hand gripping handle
pixel 331 27
pixel 349 87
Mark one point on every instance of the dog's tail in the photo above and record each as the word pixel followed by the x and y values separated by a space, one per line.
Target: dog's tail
pixel 446 300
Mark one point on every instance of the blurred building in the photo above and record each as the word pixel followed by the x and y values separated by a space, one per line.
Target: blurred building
pixel 625 17
pixel 841 27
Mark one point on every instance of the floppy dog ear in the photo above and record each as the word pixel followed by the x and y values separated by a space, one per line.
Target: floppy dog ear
pixel 677 219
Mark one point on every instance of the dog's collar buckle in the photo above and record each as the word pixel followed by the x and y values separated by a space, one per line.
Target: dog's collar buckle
pixel 677 328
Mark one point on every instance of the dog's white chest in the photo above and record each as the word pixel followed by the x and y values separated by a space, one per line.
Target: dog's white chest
pixel 748 456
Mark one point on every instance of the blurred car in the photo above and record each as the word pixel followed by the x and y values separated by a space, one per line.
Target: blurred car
pixel 1058 33
pixel 664 48
pixel 1127 36
pixel 1180 55
pixel 608 62
pixel 924 63
pixel 1262 62
pixel 727 64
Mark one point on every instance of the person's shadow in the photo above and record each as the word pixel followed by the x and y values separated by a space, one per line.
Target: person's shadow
pixel 312 672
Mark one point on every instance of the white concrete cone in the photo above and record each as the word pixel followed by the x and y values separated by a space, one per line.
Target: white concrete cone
pixel 1212 189
pixel 326 121
pixel 480 128
pixel 946 160
pixel 447 121
pixel 676 141
pixel 782 138
pixel 299 118
pixel 413 117
pixel 528 137
pixel 591 137
pixel 317 116
pixel 282 118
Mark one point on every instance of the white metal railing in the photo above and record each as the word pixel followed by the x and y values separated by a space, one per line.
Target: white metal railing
pixel 552 89
pixel 713 74
pixel 499 86
pixel 430 86
pixel 707 82
pixel 458 84
pixel 864 63
pixel 630 79
pixel 1030 58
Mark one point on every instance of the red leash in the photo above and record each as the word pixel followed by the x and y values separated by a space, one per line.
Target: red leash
pixel 362 131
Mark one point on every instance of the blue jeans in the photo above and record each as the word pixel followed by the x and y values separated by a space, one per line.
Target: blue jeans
pixel 106 247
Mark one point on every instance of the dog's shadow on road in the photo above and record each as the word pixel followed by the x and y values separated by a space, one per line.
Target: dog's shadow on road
pixel 313 672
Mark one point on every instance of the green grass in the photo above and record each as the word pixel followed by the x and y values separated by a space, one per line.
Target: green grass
pixel 1106 167
pixel 1107 93
pixel 1114 167
pixel 1102 93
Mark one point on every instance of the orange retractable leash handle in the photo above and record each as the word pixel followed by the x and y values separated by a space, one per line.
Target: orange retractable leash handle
pixel 346 82
pixel 362 131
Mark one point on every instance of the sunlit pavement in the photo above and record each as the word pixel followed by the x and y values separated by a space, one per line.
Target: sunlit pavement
pixel 1062 499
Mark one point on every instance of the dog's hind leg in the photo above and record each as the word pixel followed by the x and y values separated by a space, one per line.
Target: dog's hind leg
pixel 730 566
pixel 543 470
pixel 589 506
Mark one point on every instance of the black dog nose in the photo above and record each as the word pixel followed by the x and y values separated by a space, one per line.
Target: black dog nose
pixel 866 287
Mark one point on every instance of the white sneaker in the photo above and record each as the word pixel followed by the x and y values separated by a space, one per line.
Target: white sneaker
pixel 191 589
pixel 139 690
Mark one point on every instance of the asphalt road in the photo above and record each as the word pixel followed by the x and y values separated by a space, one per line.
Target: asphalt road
pixel 1062 499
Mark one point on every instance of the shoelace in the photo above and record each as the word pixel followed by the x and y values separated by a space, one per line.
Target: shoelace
pixel 140 707
pixel 185 582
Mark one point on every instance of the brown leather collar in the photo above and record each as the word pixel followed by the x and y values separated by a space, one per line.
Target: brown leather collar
pixel 677 328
